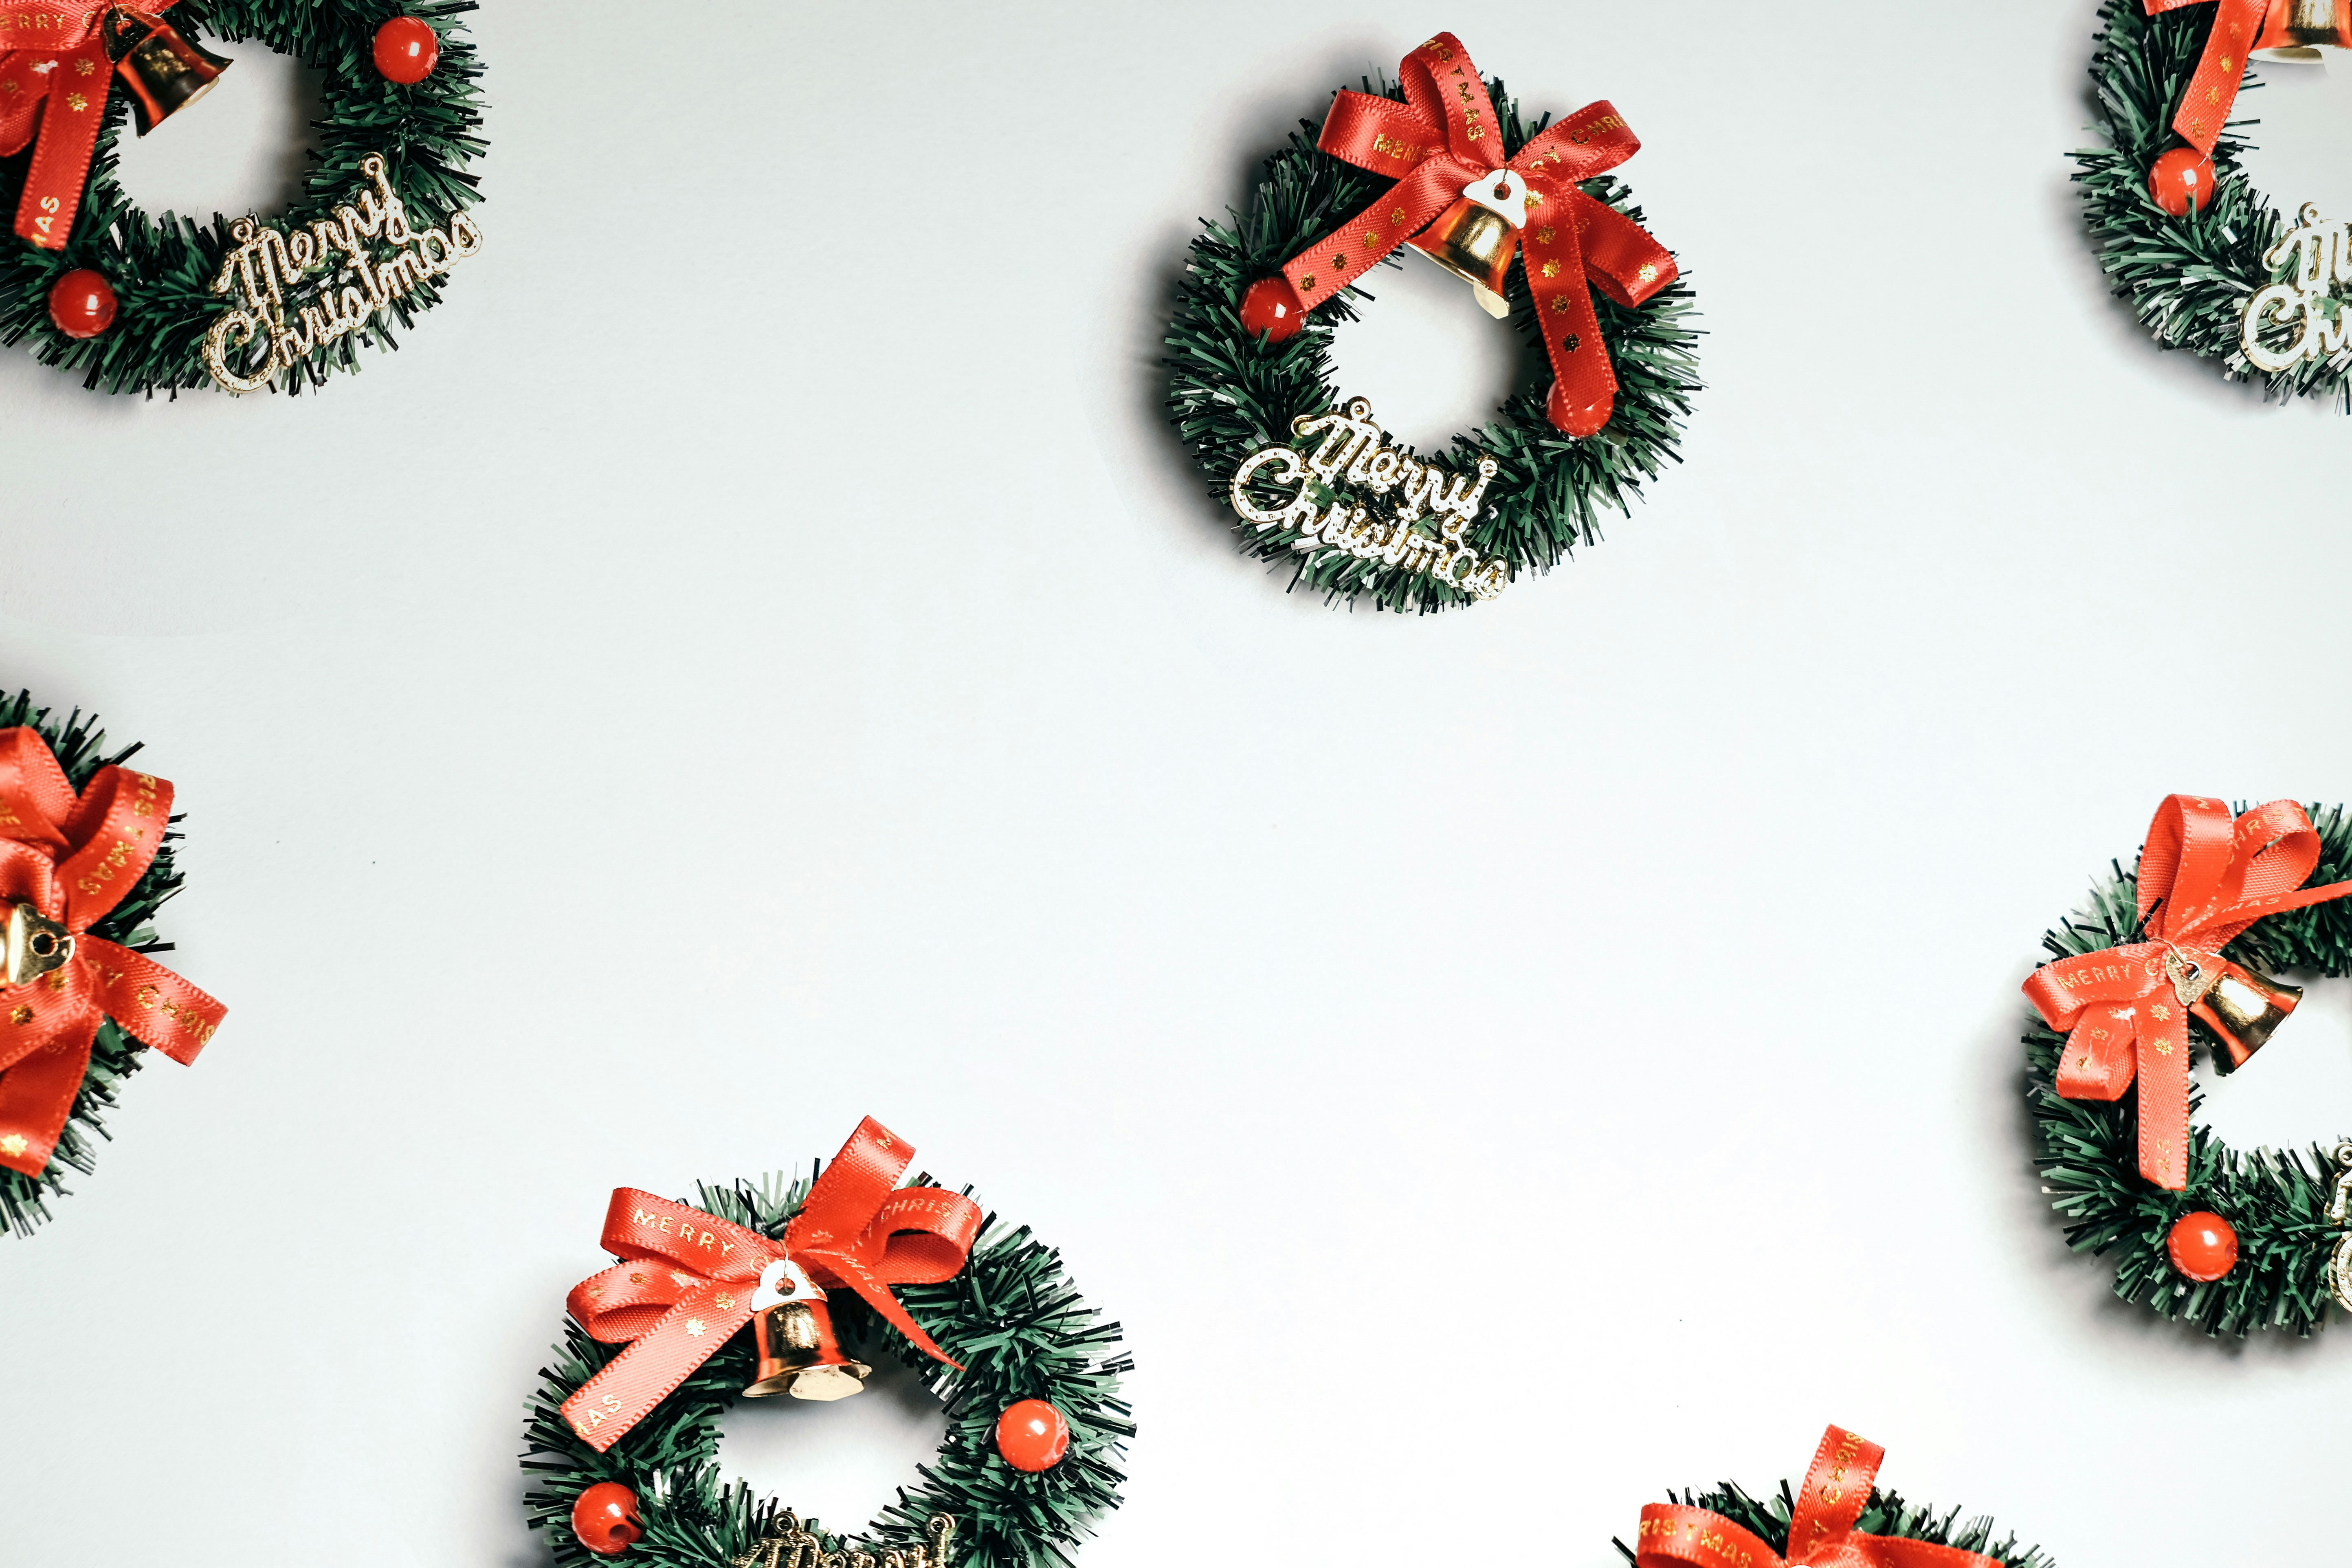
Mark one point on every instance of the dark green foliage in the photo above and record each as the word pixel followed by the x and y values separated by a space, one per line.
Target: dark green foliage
pixel 1229 393
pixel 80 748
pixel 162 271
pixel 1011 1317
pixel 2088 1151
pixel 2188 278
pixel 1886 1514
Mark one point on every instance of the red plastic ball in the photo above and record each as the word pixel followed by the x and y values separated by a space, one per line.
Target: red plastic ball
pixel 605 1518
pixel 1032 1436
pixel 81 303
pixel 2202 1244
pixel 1271 306
pixel 2180 179
pixel 406 50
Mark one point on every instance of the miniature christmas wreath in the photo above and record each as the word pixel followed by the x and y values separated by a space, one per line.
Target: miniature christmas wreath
pixel 133 304
pixel 2171 953
pixel 766 1290
pixel 1431 163
pixel 2208 263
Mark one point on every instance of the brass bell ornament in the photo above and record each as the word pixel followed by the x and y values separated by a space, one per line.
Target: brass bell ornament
pixel 794 1329
pixel 163 71
pixel 2295 31
pixel 2241 1008
pixel 1475 238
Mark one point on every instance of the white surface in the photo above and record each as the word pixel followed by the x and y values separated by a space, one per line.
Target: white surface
pixel 754 658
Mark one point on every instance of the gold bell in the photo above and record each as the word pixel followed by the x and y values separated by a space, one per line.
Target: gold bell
pixel 1475 238
pixel 2242 1008
pixel 35 945
pixel 165 72
pixel 798 1353
pixel 2296 30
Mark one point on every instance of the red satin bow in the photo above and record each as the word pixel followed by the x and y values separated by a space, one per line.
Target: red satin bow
pixel 73 858
pixel 51 54
pixel 855 1231
pixel 2122 1005
pixel 2240 28
pixel 1820 1531
pixel 1445 137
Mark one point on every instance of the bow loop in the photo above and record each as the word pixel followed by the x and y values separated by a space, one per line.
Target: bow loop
pixel 1820 1529
pixel 1593 141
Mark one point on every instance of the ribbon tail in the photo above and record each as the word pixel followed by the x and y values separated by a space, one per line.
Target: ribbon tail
pixel 37 1096
pixel 603 1409
pixel 66 143
pixel 1358 246
pixel 2164 1101
pixel 1584 390
pixel 1619 256
pixel 2213 88
pixel 876 1295
pixel 2097 1062
pixel 156 1005
pixel 1676 1536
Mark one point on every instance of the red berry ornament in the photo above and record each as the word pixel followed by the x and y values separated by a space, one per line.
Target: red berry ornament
pixel 2202 1244
pixel 406 50
pixel 605 1518
pixel 2180 179
pixel 81 303
pixel 1271 306
pixel 1032 1436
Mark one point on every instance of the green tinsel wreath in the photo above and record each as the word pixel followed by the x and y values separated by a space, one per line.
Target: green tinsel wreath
pixel 80 748
pixel 2087 1151
pixel 162 271
pixel 1885 1514
pixel 2188 278
pixel 1011 1317
pixel 1229 393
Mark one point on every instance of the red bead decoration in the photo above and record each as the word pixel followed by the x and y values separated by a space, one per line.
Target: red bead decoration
pixel 2180 180
pixel 2202 1244
pixel 1032 1436
pixel 406 50
pixel 81 303
pixel 1271 306
pixel 605 1518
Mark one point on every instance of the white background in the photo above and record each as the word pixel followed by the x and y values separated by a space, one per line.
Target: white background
pixel 754 659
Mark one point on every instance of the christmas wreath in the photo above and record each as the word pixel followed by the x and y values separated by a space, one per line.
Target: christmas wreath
pixel 2172 952
pixel 1838 1519
pixel 84 862
pixel 759 1290
pixel 132 304
pixel 2207 262
pixel 1429 160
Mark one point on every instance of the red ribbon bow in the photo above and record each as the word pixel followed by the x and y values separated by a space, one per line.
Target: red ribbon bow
pixel 856 1231
pixel 1443 138
pixel 52 55
pixel 73 858
pixel 2125 1007
pixel 2240 28
pixel 1820 1531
